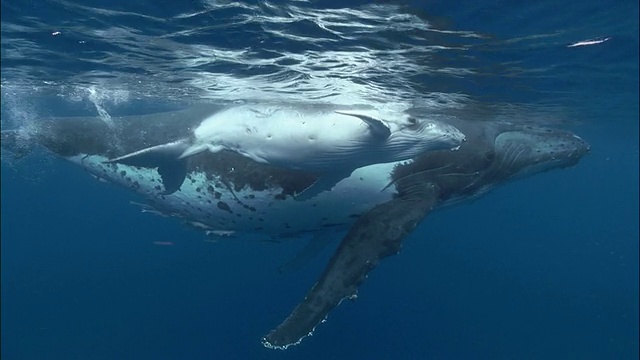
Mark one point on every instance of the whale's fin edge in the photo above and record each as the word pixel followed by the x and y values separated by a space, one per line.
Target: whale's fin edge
pixel 172 168
pixel 377 234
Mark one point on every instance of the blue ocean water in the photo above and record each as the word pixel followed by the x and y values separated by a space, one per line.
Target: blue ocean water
pixel 542 268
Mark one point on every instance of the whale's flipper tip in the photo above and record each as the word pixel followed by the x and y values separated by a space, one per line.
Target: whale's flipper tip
pixel 376 235
pixel 166 157
pixel 377 127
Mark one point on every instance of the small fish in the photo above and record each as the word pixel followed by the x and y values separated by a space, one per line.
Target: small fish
pixel 199 225
pixel 589 42
pixel 220 232
pixel 155 212
pixel 163 243
pixel 100 179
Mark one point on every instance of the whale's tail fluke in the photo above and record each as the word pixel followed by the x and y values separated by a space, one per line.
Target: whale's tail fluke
pixel 172 167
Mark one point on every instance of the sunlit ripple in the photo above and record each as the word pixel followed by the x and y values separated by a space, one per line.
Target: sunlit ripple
pixel 215 50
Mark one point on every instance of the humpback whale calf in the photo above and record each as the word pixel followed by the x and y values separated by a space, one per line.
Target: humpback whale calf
pixel 328 142
pixel 377 206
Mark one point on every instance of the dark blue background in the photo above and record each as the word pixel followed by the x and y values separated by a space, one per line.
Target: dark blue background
pixel 542 268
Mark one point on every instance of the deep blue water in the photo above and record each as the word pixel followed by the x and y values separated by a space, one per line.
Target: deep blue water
pixel 542 268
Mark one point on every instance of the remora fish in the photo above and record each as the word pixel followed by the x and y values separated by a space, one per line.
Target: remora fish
pixel 379 204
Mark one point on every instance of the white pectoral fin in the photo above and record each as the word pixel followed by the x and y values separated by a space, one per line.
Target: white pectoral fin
pixel 215 148
pixel 198 148
pixel 378 128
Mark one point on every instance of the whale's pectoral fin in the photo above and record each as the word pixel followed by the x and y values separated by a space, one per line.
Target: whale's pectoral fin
pixel 166 157
pixel 325 182
pixel 376 235
pixel 377 127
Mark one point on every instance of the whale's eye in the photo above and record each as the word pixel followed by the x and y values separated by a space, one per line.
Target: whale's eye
pixel 412 120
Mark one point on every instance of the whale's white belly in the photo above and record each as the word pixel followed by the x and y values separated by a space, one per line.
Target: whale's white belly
pixel 217 207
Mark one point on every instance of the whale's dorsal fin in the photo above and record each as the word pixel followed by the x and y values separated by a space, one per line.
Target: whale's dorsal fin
pixel 378 128
pixel 377 234
pixel 166 157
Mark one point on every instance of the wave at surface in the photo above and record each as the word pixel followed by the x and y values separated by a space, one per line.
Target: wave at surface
pixel 386 55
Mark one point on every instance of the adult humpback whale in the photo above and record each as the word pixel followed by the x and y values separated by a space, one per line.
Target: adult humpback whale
pixel 326 141
pixel 379 204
